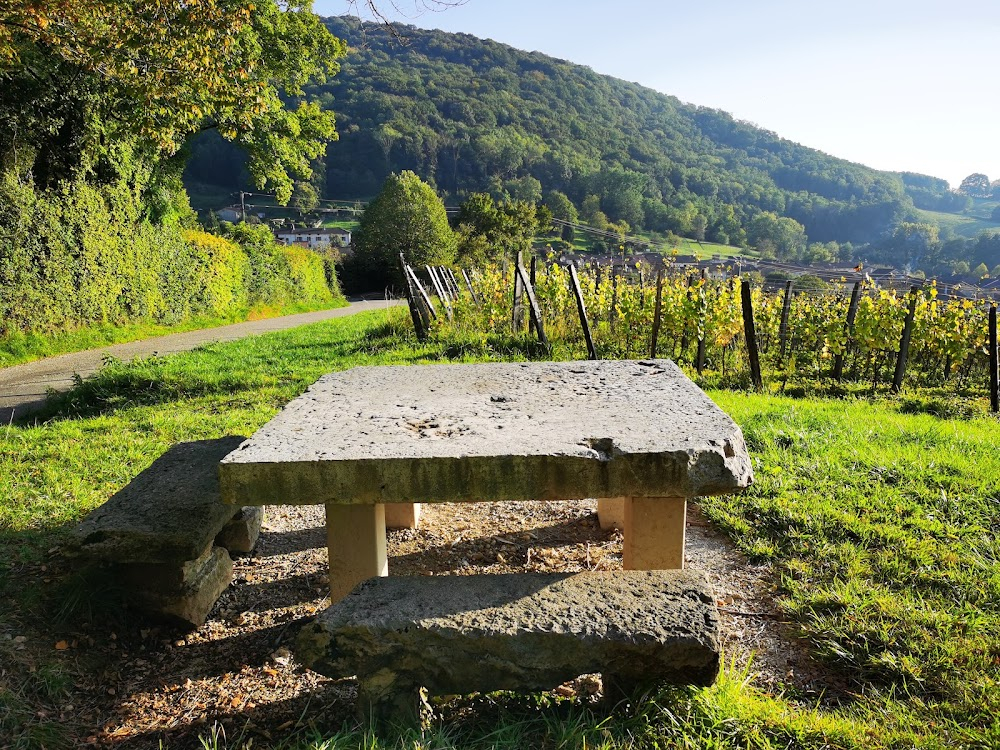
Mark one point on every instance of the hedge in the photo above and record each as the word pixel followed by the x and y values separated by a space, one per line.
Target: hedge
pixel 86 254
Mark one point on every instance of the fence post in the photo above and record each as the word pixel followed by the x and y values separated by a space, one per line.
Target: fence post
pixel 411 302
pixel 751 335
pixel 904 343
pixel 657 312
pixel 852 314
pixel 786 306
pixel 533 307
pixel 582 309
pixel 994 389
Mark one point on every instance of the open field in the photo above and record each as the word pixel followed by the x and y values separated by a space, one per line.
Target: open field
pixel 877 522
pixel 961 224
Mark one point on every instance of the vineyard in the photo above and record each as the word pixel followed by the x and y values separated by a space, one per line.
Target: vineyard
pixel 800 334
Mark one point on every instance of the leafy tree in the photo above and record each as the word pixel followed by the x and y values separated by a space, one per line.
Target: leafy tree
pixel 561 207
pixel 976 185
pixel 406 217
pixel 995 214
pixel 82 80
pixel 783 237
pixel 489 230
pixel 981 271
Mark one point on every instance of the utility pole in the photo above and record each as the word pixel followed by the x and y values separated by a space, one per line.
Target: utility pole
pixel 243 208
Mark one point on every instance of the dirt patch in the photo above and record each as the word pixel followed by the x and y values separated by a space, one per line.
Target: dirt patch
pixel 134 685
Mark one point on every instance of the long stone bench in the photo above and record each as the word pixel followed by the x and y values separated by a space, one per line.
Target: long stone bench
pixel 522 632
pixel 167 536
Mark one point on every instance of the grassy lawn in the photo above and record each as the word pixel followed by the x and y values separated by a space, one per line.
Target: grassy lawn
pixel 963 225
pixel 880 527
pixel 21 347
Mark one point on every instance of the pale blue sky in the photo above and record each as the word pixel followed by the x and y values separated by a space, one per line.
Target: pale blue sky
pixel 895 84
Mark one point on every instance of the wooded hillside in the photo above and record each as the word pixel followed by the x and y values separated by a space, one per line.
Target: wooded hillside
pixel 473 115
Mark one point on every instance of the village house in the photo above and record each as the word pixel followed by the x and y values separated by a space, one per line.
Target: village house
pixel 314 238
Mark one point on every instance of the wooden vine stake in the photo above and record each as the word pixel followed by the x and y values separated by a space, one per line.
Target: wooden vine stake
pixel 452 282
pixel 852 314
pixel 904 343
pixel 657 312
pixel 468 283
pixel 428 307
pixel 441 293
pixel 751 335
pixel 517 314
pixel 531 275
pixel 535 311
pixel 416 314
pixel 786 306
pixel 994 365
pixel 582 309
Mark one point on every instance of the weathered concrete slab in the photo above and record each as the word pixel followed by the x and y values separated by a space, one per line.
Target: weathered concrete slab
pixel 169 513
pixel 530 631
pixel 511 431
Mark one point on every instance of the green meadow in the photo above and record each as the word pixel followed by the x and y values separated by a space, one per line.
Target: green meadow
pixel 878 526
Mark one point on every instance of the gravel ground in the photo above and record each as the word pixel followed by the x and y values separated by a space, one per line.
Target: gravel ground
pixel 142 685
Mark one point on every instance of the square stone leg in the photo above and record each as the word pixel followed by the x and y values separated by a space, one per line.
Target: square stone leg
pixel 402 515
pixel 611 513
pixel 654 533
pixel 355 537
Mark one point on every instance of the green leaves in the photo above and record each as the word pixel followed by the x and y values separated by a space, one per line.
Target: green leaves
pixel 158 72
pixel 406 217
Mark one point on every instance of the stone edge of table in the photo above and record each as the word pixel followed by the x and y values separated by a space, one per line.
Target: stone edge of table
pixel 576 466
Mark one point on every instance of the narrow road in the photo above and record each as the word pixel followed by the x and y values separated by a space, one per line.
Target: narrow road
pixel 23 387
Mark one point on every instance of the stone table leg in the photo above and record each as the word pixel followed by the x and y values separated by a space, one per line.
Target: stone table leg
pixel 402 515
pixel 355 537
pixel 654 533
pixel 611 513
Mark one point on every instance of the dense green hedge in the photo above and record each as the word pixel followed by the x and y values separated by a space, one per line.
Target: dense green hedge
pixel 86 254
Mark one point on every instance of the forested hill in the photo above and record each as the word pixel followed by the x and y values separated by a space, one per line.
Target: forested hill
pixel 469 115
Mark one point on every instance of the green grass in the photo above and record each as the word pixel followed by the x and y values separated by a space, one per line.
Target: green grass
pixel 963 225
pixel 26 347
pixel 879 521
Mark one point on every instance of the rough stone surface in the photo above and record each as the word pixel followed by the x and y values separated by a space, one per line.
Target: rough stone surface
pixel 240 535
pixel 203 580
pixel 530 631
pixel 168 514
pixel 500 431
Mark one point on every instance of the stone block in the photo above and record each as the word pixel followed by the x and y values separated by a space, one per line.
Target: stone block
pixel 188 604
pixel 402 515
pixel 240 535
pixel 169 513
pixel 524 632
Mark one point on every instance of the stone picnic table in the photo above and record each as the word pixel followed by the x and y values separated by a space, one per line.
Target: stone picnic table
pixel 637 435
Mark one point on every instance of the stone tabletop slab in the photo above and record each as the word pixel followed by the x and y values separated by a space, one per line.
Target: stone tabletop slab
pixel 498 431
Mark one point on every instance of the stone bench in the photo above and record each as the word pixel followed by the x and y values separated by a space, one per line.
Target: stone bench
pixel 523 632
pixel 167 536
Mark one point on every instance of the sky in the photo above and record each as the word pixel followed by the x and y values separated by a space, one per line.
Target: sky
pixel 896 85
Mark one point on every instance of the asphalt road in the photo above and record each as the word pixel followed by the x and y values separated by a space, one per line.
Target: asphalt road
pixel 23 387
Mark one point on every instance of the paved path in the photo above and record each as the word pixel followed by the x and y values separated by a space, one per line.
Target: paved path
pixel 23 387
